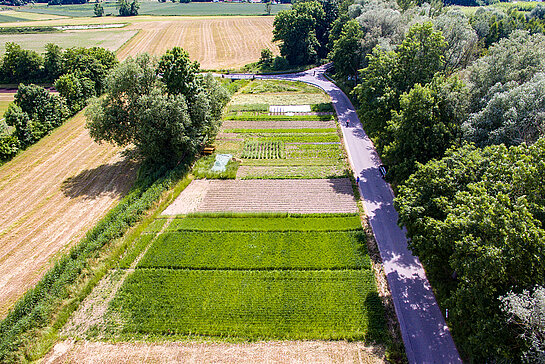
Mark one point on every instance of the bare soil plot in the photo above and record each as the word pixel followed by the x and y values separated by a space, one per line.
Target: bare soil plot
pixel 216 42
pixel 203 352
pixel 294 196
pixel 50 195
pixel 281 98
pixel 271 124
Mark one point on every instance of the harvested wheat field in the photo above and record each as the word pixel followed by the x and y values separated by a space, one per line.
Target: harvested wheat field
pixel 293 196
pixel 50 195
pixel 260 352
pixel 216 42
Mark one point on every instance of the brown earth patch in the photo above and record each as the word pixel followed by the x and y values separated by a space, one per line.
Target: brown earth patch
pixel 204 352
pixel 294 196
pixel 50 195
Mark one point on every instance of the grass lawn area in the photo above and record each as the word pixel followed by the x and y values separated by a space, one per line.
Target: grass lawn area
pixel 24 16
pixel 109 39
pixel 250 305
pixel 157 8
pixel 3 107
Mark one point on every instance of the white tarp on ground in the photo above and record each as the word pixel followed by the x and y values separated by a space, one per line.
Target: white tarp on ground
pixel 221 162
pixel 282 109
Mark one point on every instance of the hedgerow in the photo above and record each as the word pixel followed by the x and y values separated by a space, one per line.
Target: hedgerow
pixel 337 305
pixel 257 250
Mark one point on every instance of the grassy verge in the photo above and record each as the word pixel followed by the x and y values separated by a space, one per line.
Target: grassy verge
pixel 202 169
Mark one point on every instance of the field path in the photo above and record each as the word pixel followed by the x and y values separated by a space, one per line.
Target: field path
pixel 425 333
pixel 216 42
pixel 50 195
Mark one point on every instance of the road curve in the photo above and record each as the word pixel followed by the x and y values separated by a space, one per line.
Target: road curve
pixel 425 334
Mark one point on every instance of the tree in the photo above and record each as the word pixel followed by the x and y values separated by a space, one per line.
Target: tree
pixel 527 311
pixel 93 63
pixel 475 220
pixel 20 65
pixel 128 8
pixel 75 91
pixel 166 127
pixel 428 123
pixel 53 61
pixel 390 74
pixel 266 59
pixel 25 132
pixel 99 9
pixel 179 72
pixel 296 30
pixel 347 54
pixel 517 58
pixel 268 7
pixel 513 116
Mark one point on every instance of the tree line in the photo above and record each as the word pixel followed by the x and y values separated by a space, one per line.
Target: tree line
pixel 78 74
pixel 455 106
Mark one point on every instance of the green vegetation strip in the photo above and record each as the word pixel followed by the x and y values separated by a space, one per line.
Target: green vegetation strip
pixel 334 223
pixel 261 117
pixel 337 305
pixel 257 250
pixel 262 150
pixel 27 30
pixel 298 138
pixel 274 131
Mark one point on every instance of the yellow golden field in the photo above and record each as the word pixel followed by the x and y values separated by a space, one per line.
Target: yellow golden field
pixel 216 42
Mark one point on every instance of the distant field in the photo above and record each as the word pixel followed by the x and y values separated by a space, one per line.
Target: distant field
pixel 156 8
pixel 5 100
pixel 217 43
pixel 16 16
pixel 109 39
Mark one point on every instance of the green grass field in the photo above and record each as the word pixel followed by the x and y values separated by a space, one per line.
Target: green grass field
pixel 250 305
pixel 3 107
pixel 109 39
pixel 157 8
pixel 257 250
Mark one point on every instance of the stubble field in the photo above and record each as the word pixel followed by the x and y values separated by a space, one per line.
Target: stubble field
pixel 50 195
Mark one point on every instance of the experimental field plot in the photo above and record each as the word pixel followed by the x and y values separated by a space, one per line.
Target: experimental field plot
pixel 247 277
pixel 281 145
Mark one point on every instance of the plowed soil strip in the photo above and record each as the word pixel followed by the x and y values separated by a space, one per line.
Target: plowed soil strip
pixel 50 195
pixel 202 352
pixel 294 196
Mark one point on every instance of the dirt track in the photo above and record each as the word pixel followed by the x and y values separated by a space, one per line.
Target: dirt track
pixel 260 352
pixel 50 195
pixel 216 42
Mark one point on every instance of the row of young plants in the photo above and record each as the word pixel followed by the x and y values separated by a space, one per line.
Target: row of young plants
pixel 263 150
pixel 264 108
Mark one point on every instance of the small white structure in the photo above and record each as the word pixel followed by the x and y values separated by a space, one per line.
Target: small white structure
pixel 287 109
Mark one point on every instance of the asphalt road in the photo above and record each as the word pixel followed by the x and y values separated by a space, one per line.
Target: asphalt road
pixel 425 334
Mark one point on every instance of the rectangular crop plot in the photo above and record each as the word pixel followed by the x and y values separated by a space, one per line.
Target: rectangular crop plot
pixel 298 223
pixel 258 250
pixel 262 150
pixel 251 304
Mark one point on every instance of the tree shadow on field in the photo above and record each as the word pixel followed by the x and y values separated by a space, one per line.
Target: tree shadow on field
pixel 112 179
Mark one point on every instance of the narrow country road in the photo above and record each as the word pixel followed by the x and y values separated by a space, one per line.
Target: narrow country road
pixel 425 334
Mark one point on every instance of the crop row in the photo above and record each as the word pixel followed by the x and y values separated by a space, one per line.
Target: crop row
pixel 258 117
pixel 296 137
pixel 257 250
pixel 338 305
pixel 321 107
pixel 311 223
pixel 262 150
pixel 281 131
